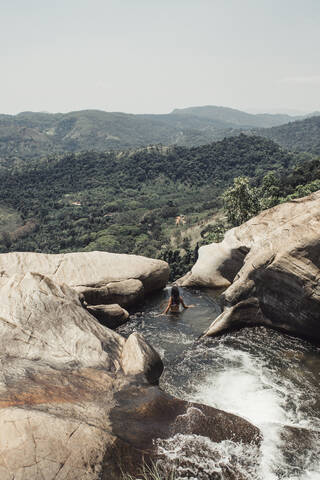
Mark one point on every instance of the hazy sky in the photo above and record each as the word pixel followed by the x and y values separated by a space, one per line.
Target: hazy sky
pixel 150 56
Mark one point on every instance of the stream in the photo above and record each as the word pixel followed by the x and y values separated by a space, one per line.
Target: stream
pixel 264 376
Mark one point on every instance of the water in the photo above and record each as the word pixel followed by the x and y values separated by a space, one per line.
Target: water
pixel 269 378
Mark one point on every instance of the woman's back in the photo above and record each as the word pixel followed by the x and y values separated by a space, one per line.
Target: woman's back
pixel 175 300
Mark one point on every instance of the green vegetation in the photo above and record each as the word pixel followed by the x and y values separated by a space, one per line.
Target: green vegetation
pixel 244 200
pixel 236 117
pixel 30 136
pixel 240 201
pixel 128 201
pixel 302 136
pixel 10 219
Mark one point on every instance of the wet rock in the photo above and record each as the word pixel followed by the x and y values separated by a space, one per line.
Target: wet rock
pixel 144 413
pixel 109 315
pixel 300 450
pixel 244 313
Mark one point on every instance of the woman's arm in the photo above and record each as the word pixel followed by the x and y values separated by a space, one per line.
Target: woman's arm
pixel 168 306
pixel 182 303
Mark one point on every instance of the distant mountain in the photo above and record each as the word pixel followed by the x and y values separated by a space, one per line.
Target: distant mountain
pixel 236 118
pixel 303 136
pixel 31 135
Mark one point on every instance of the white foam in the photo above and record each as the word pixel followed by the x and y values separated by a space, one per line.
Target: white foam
pixel 244 389
pixel 195 457
pixel 309 475
pixel 248 389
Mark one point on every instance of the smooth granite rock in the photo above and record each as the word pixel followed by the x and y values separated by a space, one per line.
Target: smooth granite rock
pixel 138 356
pixel 277 282
pixel 100 276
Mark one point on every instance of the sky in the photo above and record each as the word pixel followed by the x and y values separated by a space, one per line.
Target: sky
pixel 151 56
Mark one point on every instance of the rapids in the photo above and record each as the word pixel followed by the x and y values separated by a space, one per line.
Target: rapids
pixel 269 378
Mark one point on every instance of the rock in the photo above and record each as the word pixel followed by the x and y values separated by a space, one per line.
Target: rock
pixel 73 393
pixel 124 293
pixel 109 315
pixel 57 377
pixel 278 284
pixel 217 264
pixel 107 277
pixel 40 319
pixel 138 357
pixel 143 414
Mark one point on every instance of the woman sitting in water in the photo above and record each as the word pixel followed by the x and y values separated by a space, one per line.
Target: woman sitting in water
pixel 175 300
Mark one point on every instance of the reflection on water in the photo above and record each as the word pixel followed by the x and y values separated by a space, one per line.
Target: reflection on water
pixel 269 378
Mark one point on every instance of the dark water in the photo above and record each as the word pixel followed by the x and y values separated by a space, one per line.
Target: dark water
pixel 269 378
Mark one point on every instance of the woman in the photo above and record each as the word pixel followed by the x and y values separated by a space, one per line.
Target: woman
pixel 174 301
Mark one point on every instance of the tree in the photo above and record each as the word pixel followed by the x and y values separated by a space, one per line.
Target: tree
pixel 213 233
pixel 240 201
pixel 186 243
pixel 6 239
pixel 269 191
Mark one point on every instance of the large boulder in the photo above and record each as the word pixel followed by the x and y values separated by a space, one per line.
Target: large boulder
pixel 100 276
pixel 138 356
pixel 277 282
pixel 123 293
pixel 73 393
pixel 57 372
pixel 145 417
pixel 111 316
pixel 40 319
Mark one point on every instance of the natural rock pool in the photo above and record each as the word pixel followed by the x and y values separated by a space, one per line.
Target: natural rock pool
pixel 269 378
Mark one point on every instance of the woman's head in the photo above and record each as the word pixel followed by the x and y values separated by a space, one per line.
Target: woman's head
pixel 175 292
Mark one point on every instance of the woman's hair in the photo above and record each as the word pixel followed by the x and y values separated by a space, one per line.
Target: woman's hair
pixel 175 292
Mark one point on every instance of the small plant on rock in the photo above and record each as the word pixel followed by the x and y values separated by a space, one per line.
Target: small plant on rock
pixel 151 472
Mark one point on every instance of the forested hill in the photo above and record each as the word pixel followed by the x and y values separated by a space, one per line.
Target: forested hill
pixel 303 135
pixel 237 117
pixel 125 202
pixel 30 135
pixel 33 135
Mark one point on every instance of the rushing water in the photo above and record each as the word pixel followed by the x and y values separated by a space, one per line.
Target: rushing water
pixel 269 378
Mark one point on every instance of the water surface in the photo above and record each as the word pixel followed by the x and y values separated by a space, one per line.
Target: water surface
pixel 269 378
